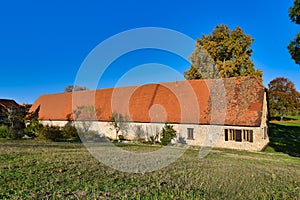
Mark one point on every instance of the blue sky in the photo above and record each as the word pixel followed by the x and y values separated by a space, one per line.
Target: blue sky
pixel 43 43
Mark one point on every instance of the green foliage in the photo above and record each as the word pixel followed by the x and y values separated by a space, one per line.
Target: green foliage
pixel 294 12
pixel 294 46
pixel 56 133
pixel 4 131
pixel 33 128
pixel 294 49
pixel 223 53
pixel 14 118
pixel 283 97
pixel 10 132
pixel 52 133
pixel 69 132
pixel 89 135
pixel 167 134
pixel 203 66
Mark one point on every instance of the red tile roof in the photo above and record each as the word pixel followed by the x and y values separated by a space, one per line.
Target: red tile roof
pixel 8 103
pixel 174 102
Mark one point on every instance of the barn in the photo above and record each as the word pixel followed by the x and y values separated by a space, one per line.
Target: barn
pixel 227 113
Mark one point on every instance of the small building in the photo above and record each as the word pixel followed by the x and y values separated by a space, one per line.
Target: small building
pixel 7 106
pixel 229 112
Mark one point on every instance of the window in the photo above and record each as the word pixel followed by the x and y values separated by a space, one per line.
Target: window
pixel 247 135
pixel 265 133
pixel 238 135
pixel 190 133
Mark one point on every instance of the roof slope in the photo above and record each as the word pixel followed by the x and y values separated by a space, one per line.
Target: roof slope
pixel 8 103
pixel 194 101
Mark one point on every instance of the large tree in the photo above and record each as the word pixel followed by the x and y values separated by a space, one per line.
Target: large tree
pixel 223 53
pixel 203 65
pixel 294 46
pixel 283 97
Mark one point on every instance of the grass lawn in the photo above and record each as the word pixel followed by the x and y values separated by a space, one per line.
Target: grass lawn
pixel 285 136
pixel 36 170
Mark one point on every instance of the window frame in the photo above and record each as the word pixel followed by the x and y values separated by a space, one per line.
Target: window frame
pixel 190 133
pixel 238 135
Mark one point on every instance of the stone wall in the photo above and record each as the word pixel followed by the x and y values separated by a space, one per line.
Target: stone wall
pixel 203 135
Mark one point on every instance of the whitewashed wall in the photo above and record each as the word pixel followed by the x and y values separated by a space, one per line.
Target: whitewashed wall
pixel 204 135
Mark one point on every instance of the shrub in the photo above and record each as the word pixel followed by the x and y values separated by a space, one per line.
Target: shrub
pixel 167 134
pixel 15 133
pixel 52 133
pixel 33 129
pixel 89 135
pixel 10 132
pixel 70 132
pixel 4 131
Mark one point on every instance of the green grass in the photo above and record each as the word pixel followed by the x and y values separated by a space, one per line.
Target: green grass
pixel 286 118
pixel 294 117
pixel 41 170
pixel 285 136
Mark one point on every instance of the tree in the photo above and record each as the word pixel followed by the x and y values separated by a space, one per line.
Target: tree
pixel 283 97
pixel 15 119
pixel 294 49
pixel 202 67
pixel 295 12
pixel 228 54
pixel 167 134
pixel 72 88
pixel 119 123
pixel 294 46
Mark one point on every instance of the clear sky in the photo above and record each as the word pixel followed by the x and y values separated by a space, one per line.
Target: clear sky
pixel 43 43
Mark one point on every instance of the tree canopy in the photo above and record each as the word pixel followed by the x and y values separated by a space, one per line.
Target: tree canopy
pixel 294 12
pixel 294 46
pixel 72 88
pixel 222 53
pixel 283 97
pixel 202 65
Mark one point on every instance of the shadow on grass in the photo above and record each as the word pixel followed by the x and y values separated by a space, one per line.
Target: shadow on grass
pixel 286 118
pixel 284 138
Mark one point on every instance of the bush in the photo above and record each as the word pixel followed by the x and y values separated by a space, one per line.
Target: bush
pixel 33 129
pixel 4 131
pixel 89 135
pixel 167 134
pixel 52 133
pixel 70 132
pixel 15 134
pixel 10 132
